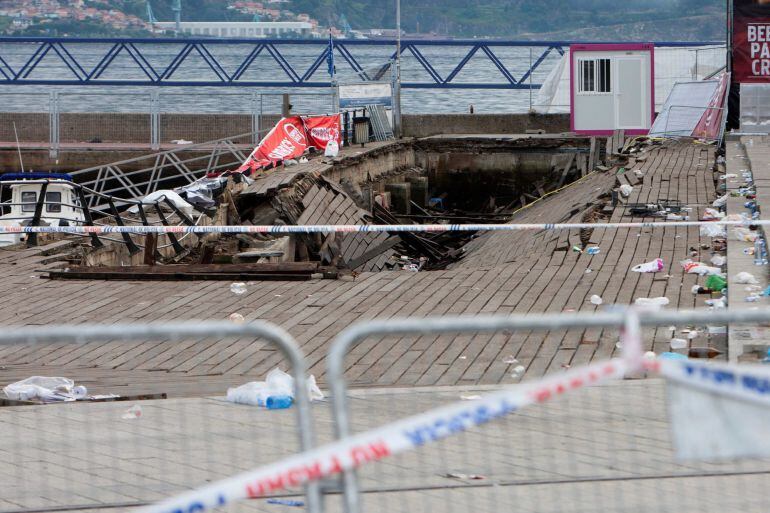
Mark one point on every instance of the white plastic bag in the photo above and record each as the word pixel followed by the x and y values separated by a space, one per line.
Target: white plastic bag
pixel 718 260
pixel 626 190
pixel 161 196
pixel 277 383
pixel 720 202
pixel 649 267
pixel 332 149
pixel 712 230
pixel 744 277
pixel 42 388
pixel 652 302
pixel 743 234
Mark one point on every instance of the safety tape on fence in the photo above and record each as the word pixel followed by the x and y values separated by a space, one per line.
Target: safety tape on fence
pixel 366 228
pixel 400 436
pixel 744 382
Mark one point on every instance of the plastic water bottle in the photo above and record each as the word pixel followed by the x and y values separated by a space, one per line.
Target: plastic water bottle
pixel 760 251
pixel 278 402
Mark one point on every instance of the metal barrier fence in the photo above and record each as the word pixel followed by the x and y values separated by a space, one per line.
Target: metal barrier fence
pixel 154 118
pixel 61 457
pixel 600 449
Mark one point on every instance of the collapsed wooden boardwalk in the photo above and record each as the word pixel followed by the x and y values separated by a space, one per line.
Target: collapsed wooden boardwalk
pixel 502 273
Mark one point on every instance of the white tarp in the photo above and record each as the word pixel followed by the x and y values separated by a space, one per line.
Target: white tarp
pixel 684 108
pixel 672 65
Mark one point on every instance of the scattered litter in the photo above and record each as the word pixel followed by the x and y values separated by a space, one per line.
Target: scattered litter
pixel 678 343
pixel 712 214
pixel 510 360
pixel 618 345
pixel 650 356
pixel 588 271
pixel 703 352
pixel 456 475
pixel 303 160
pixel 470 397
pixel 518 371
pixel 672 356
pixel 718 260
pixel 699 268
pixel 716 303
pixel 728 175
pixel 596 300
pixel 716 282
pixel 275 393
pixel 639 173
pixel 677 217
pixel 712 230
pixel 744 277
pixel 751 299
pixel 717 330
pixel 236 318
pixel 286 502
pixel 594 250
pixel 766 292
pixel 720 202
pixel 42 388
pixel 238 288
pixel 181 141
pixel 132 413
pixel 462 357
pixel 577 249
pixel 626 190
pixel 332 149
pixel 649 267
pixel 655 302
pixel 743 235
pixel 165 195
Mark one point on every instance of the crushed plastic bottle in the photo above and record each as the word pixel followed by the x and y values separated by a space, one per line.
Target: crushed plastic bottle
pixel 278 402
pixel 132 413
pixel 236 318
pixel 238 288
pixel 678 343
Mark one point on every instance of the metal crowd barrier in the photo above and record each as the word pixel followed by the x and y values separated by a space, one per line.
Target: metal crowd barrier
pixel 59 457
pixel 517 462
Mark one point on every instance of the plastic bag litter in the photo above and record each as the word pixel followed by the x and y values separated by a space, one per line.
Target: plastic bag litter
pixel 712 230
pixel 720 202
pixel 712 214
pixel 596 300
pixel 718 260
pixel 649 267
pixel 654 302
pixel 277 383
pixel 678 343
pixel 744 277
pixel 699 268
pixel 743 235
pixel 332 149
pixel 161 196
pixel 42 388
pixel 626 190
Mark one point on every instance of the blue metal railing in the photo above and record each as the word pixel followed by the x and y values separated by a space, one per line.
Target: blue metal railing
pixel 25 61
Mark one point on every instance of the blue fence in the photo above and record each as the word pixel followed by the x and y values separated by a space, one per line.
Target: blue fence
pixel 441 64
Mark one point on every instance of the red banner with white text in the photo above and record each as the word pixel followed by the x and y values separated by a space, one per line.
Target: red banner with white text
pixel 322 129
pixel 751 40
pixel 287 140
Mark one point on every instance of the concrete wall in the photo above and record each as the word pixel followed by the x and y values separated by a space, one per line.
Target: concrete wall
pixel 425 125
pixel 135 128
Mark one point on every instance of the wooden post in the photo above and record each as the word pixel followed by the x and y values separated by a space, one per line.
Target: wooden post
pixel 150 246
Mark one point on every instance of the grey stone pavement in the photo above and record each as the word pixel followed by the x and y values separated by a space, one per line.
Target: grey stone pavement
pixel 602 449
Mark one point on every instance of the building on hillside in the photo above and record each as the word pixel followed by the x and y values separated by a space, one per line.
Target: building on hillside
pixel 260 29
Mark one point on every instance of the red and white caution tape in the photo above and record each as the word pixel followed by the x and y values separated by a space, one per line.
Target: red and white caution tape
pixel 366 228
pixel 400 436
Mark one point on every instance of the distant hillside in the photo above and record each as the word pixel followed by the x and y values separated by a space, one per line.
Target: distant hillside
pixel 571 19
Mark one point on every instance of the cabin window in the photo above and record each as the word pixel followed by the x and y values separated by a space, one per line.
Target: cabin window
pixel 594 76
pixel 29 201
pixel 53 202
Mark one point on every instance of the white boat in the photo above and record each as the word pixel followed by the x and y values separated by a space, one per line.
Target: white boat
pixel 60 206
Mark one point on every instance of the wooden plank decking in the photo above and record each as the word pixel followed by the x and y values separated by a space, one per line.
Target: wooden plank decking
pixel 502 273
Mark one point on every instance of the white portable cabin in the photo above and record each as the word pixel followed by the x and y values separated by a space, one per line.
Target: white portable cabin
pixel 612 87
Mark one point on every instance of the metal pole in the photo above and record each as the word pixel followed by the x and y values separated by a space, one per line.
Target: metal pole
pixel 397 91
pixel 530 79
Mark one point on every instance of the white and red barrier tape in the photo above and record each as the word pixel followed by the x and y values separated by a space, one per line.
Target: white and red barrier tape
pixel 745 382
pixel 365 228
pixel 400 436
